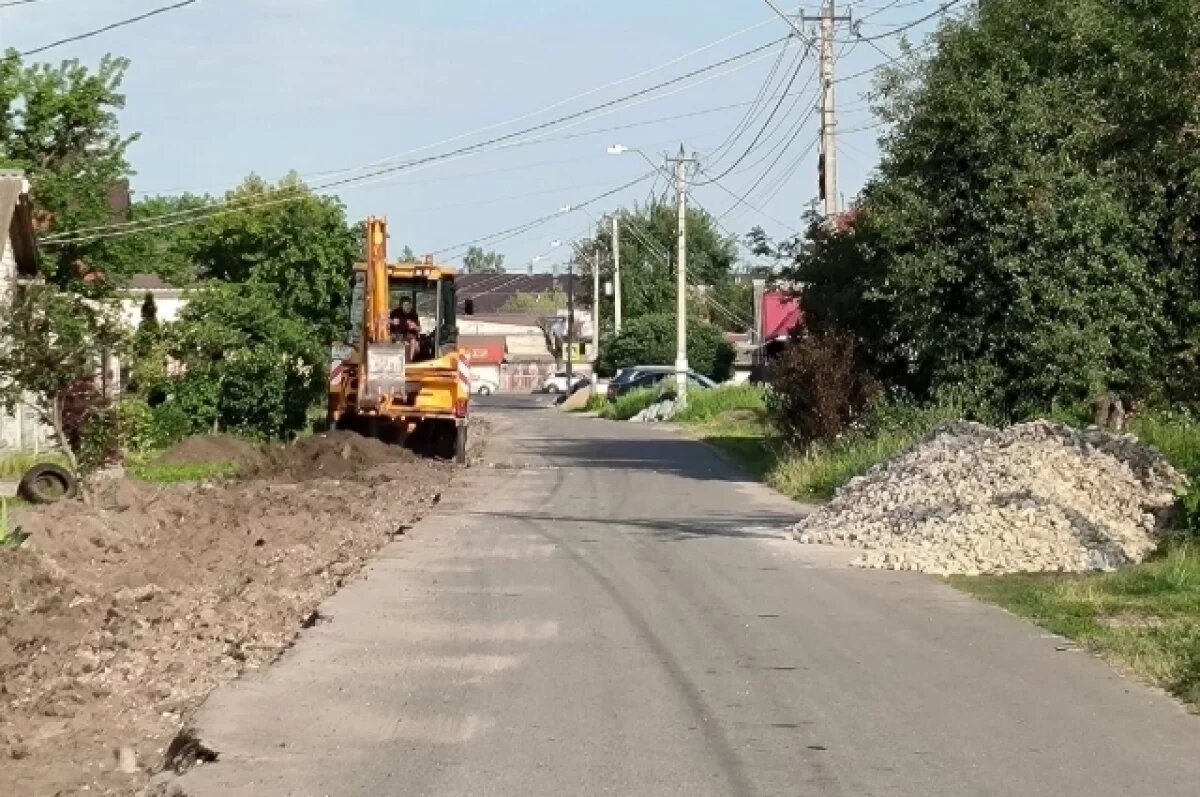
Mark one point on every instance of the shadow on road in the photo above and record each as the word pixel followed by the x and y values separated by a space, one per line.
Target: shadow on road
pixel 753 526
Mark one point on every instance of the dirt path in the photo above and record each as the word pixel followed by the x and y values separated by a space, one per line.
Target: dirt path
pixel 116 621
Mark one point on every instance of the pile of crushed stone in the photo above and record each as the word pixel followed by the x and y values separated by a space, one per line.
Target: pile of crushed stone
pixel 1036 497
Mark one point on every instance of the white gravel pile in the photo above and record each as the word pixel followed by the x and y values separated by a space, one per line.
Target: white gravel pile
pixel 1036 497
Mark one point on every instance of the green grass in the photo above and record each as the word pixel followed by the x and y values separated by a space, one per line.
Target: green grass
pixel 704 406
pixel 628 405
pixel 1145 618
pixel 1177 438
pixel 14 465
pixel 596 403
pixel 176 473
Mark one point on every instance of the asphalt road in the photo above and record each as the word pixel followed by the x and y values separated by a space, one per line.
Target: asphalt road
pixel 606 608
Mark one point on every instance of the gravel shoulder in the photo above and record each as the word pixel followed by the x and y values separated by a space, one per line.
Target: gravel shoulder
pixel 117 620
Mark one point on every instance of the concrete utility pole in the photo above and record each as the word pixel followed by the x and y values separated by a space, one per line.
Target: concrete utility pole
pixel 616 252
pixel 681 162
pixel 827 160
pixel 570 334
pixel 595 307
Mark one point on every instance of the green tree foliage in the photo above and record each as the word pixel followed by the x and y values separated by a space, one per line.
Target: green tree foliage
pixel 58 124
pixel 650 340
pixel 301 249
pixel 1030 235
pixel 544 302
pixel 477 261
pixel 251 367
pixel 648 283
pixel 407 255
pixel 52 344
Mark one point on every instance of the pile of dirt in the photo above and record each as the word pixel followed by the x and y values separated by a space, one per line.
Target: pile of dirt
pixel 211 448
pixel 333 455
pixel 117 619
pixel 1035 497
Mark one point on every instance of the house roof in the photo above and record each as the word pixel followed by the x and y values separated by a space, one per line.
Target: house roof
pixel 16 218
pixel 491 291
pixel 149 282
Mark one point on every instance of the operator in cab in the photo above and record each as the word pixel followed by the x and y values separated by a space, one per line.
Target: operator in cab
pixel 406 326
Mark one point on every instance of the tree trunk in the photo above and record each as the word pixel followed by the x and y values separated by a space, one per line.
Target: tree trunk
pixel 56 422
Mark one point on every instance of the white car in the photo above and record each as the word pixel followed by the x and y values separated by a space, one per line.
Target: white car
pixel 557 383
pixel 481 386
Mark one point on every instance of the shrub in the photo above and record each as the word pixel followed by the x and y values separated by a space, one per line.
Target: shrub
pixel 818 390
pixel 650 340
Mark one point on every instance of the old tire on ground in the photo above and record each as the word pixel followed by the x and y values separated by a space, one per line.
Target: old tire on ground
pixel 46 483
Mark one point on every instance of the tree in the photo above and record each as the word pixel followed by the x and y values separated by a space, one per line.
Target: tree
pixel 550 301
pixel 1030 232
pixel 250 367
pixel 477 261
pixel 58 124
pixel 53 344
pixel 648 283
pixel 302 249
pixel 650 340
pixel 408 256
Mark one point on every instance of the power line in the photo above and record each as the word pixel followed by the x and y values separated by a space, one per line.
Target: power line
pixel 747 119
pixel 767 123
pixel 111 26
pixel 17 3
pixel 943 8
pixel 127 228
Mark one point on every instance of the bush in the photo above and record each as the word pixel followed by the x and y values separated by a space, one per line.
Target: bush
pixel 818 390
pixel 650 340
pixel 630 404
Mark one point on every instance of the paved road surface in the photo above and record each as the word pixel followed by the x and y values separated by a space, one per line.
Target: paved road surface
pixel 612 611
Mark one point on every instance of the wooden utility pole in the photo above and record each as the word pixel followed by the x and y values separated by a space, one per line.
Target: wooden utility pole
pixel 827 160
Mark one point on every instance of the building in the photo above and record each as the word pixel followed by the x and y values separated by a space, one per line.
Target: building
pixel 21 429
pixel 168 300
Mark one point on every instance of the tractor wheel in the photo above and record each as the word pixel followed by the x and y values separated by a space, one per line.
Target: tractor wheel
pixel 460 445
pixel 46 483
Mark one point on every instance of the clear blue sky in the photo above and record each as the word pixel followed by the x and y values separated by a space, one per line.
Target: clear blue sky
pixel 228 87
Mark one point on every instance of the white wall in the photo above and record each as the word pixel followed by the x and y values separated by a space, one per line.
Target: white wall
pixel 168 305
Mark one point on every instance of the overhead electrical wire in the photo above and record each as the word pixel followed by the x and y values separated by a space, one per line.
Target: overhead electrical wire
pixel 766 124
pixel 84 233
pixel 942 9
pixel 747 119
pixel 105 29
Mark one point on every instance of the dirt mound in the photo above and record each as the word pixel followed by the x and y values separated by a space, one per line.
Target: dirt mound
pixel 333 455
pixel 116 620
pixel 210 448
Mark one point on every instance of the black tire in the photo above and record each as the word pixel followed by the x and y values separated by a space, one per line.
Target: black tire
pixel 46 483
pixel 460 445
pixel 484 390
pixel 553 389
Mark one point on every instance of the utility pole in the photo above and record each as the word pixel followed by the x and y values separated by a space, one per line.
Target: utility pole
pixel 827 160
pixel 681 162
pixel 570 317
pixel 616 252
pixel 595 307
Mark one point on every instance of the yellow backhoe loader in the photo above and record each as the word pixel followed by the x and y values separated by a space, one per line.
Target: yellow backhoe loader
pixel 398 383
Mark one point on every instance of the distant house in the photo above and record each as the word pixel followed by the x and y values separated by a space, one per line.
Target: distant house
pixel 168 299
pixel 21 428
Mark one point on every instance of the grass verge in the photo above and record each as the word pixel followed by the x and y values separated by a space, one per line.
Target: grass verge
pixel 1145 619
pixel 628 405
pixel 176 473
pixel 14 464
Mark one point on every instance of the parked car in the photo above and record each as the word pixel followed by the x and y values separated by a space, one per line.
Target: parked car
pixel 644 376
pixel 558 383
pixel 482 386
